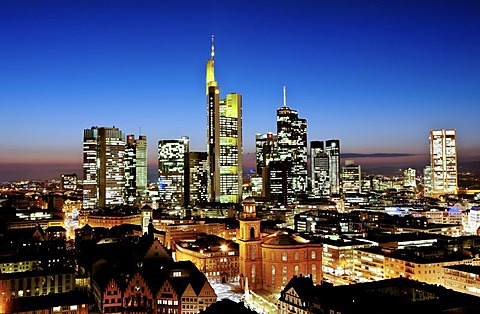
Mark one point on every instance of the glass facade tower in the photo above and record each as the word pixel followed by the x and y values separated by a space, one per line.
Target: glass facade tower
pixel 292 145
pixel 224 141
pixel 103 167
pixel 443 161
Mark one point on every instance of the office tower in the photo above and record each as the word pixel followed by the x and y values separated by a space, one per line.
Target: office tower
pixel 135 167
pixel 427 180
pixel 103 167
pixel 224 137
pixel 409 179
pixel 332 148
pixel 280 187
pixel 319 170
pixel 443 161
pixel 292 144
pixel 351 178
pixel 173 171
pixel 266 150
pixel 68 182
pixel 198 178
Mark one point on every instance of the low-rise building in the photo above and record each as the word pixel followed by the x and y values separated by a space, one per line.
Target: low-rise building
pixel 463 278
pixel 216 257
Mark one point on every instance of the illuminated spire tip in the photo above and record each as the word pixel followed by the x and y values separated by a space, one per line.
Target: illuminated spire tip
pixel 213 47
pixel 284 96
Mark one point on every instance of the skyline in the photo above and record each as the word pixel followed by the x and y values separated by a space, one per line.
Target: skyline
pixel 353 70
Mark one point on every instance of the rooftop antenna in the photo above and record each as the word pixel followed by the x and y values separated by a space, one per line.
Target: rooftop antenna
pixel 284 96
pixel 213 48
pixel 140 130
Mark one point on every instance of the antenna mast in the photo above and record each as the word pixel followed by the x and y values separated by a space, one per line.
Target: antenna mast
pixel 284 96
pixel 213 48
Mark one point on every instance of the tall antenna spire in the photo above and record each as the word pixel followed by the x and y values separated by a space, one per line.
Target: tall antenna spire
pixel 213 48
pixel 284 96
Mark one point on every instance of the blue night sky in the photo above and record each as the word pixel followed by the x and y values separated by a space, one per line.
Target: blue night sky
pixel 378 75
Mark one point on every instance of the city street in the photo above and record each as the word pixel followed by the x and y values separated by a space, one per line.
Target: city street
pixel 259 302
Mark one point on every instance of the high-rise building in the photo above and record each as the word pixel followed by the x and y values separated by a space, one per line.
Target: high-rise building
pixel 427 180
pixel 266 151
pixel 198 178
pixel 409 179
pixel 173 171
pixel 292 144
pixel 68 182
pixel 224 137
pixel 319 170
pixel 332 148
pixel 443 161
pixel 135 167
pixel 280 185
pixel 351 178
pixel 103 167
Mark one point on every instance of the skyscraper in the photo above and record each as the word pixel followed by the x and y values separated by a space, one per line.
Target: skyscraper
pixel 135 167
pixel 319 170
pixel 351 178
pixel 266 151
pixel 332 148
pixel 292 144
pixel 224 140
pixel 198 177
pixel 173 171
pixel 443 161
pixel 103 167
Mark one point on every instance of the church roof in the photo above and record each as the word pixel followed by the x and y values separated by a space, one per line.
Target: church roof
pixel 284 239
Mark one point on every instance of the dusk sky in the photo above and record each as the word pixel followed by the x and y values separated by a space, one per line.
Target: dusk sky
pixel 377 75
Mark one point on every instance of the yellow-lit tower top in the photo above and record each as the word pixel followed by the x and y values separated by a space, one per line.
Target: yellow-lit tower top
pixel 211 69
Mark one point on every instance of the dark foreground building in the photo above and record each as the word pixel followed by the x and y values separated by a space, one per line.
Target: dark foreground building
pixel 397 295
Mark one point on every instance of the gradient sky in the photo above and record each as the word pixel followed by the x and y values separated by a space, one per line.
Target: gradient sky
pixel 378 75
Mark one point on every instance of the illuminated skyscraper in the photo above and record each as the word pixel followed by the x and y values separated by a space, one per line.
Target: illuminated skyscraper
pixel 319 170
pixel 351 178
pixel 103 167
pixel 135 167
pixel 292 144
pixel 224 137
pixel 409 179
pixel 173 171
pixel 266 151
pixel 332 148
pixel 198 178
pixel 443 161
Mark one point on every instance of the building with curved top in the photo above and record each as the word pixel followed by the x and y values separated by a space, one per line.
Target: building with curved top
pixel 268 263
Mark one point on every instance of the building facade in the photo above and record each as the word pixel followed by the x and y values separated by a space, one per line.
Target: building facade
pixel 443 162
pixel 266 151
pixel 319 170
pixel 173 174
pixel 68 182
pixel 198 178
pixel 135 167
pixel 268 263
pixel 332 148
pixel 351 178
pixel 103 167
pixel 292 144
pixel 224 140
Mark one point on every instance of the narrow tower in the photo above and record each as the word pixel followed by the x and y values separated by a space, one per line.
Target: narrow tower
pixel 224 140
pixel 250 249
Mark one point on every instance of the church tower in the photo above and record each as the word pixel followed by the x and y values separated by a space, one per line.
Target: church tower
pixel 249 241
